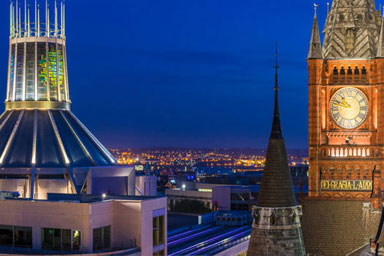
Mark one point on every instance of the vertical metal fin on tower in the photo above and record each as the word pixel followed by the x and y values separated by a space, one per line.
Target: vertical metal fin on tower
pixel 56 26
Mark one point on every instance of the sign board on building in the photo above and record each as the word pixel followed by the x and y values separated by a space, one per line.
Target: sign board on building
pixel 346 185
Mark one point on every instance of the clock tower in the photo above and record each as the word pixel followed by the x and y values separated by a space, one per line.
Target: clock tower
pixel 346 102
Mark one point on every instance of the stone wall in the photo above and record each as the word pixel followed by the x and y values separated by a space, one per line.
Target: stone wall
pixel 286 242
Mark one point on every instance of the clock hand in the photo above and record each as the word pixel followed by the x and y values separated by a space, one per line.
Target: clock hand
pixel 341 104
pixel 338 103
pixel 345 103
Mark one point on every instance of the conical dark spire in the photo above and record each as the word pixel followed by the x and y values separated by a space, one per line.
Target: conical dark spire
pixel 276 188
pixel 276 126
pixel 315 44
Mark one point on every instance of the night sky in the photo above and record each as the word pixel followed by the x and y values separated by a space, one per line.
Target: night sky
pixel 185 73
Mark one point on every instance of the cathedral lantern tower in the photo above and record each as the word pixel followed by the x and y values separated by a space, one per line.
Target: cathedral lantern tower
pixel 346 101
pixel 39 135
pixel 37 77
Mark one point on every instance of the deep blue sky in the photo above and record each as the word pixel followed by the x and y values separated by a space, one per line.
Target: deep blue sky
pixel 191 73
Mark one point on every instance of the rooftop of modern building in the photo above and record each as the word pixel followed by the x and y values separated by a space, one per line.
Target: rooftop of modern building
pixel 83 198
pixel 28 251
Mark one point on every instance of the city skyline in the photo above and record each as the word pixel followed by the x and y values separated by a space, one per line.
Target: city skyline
pixel 172 78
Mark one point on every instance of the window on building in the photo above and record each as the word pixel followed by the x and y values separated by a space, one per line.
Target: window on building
pixel 342 71
pixel 16 236
pixel 60 239
pixel 159 253
pixel 158 230
pixel 66 239
pixel 6 235
pixel 23 237
pixel 76 236
pixel 349 71
pixel 102 238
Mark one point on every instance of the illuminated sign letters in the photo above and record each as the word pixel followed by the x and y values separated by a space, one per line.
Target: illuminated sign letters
pixel 346 185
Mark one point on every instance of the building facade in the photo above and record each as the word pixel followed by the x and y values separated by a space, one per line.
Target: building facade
pixel 345 125
pixel 61 191
pixel 84 224
pixel 346 121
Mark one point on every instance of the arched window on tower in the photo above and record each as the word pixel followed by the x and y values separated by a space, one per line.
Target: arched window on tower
pixel 356 77
pixel 349 74
pixel 335 74
pixel 363 74
pixel 342 74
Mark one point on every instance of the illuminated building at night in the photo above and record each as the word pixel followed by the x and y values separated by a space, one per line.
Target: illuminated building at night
pixel 44 147
pixel 61 191
pixel 345 129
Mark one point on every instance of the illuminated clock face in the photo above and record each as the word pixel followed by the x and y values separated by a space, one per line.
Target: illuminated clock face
pixel 349 108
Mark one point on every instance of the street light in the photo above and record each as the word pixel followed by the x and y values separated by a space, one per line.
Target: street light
pixel 183 186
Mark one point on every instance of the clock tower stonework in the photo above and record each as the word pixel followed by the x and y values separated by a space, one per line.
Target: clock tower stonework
pixel 345 130
pixel 346 101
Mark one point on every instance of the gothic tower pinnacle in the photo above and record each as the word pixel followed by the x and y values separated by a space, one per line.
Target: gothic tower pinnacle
pixel 315 44
pixel 380 46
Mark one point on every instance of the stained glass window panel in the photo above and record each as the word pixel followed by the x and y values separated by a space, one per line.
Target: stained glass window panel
pixel 30 72
pixel 60 61
pixel 52 55
pixel 11 73
pixel 42 71
pixel 19 72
